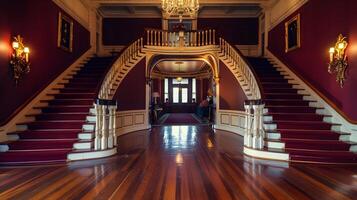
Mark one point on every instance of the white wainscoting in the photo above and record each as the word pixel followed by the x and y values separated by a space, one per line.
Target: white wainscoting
pixel 131 120
pixel 231 120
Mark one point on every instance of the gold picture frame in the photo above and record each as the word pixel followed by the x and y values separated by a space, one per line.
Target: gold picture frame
pixel 292 34
pixel 65 33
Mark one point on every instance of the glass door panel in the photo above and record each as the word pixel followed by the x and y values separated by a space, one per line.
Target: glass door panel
pixel 184 95
pixel 176 95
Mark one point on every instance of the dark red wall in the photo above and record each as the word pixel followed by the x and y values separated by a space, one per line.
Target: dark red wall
pixel 122 31
pixel 231 96
pixel 243 31
pixel 321 22
pixel 37 23
pixel 131 92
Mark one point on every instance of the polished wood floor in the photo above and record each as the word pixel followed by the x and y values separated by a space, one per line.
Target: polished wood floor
pixel 180 162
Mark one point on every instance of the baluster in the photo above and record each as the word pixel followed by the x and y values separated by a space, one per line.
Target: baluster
pixel 147 37
pixel 206 37
pixel 98 126
pixel 104 139
pixel 198 38
pixel 151 37
pixel 111 126
pixel 210 37
pixel 214 37
pixel 166 39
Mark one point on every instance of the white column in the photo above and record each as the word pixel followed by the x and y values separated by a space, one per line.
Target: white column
pixel 104 139
pixel 98 127
pixel 111 131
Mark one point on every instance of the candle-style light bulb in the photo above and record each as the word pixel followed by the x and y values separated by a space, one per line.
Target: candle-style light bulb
pixel 15 45
pixel 332 51
pixel 26 51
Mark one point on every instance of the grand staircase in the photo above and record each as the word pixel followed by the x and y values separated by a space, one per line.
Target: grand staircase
pixel 62 126
pixel 292 125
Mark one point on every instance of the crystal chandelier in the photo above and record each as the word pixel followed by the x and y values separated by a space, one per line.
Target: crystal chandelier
pixel 180 7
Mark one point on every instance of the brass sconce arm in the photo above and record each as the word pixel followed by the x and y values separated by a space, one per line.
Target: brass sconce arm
pixel 338 60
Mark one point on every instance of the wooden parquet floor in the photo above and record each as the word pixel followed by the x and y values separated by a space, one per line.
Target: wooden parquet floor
pixel 179 162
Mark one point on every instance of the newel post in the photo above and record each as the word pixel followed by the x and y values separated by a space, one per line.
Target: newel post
pixel 248 124
pixel 98 126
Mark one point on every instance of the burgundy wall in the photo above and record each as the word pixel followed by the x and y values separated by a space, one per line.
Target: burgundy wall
pixel 243 31
pixel 231 94
pixel 321 22
pixel 37 23
pixel 122 31
pixel 131 92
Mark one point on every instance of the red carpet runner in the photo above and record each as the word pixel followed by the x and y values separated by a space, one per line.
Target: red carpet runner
pixel 52 135
pixel 306 136
pixel 180 118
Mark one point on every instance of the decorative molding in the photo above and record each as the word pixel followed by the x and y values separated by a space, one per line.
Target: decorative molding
pixel 29 108
pixel 76 9
pixel 131 120
pixel 286 9
pixel 230 120
pixel 329 107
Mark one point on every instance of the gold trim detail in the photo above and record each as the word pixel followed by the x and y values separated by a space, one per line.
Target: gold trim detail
pixel 69 20
pixel 297 19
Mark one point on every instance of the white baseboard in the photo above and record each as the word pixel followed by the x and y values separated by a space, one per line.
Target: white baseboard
pixel 91 154
pixel 328 110
pixel 266 154
pixel 29 108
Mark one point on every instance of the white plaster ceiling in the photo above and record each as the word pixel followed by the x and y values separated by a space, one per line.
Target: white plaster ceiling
pixel 181 66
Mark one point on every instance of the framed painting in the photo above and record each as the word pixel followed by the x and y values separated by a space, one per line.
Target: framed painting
pixel 65 33
pixel 292 34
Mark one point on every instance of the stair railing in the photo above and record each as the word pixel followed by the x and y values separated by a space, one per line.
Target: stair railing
pixel 128 55
pixel 104 106
pixel 156 37
pixel 105 135
pixel 237 59
pixel 254 131
pixel 254 108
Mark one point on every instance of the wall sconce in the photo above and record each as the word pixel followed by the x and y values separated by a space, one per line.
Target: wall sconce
pixel 19 61
pixel 338 60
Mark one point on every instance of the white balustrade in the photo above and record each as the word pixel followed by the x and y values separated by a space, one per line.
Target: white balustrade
pixel 127 56
pixel 105 136
pixel 234 57
pixel 254 131
pixel 157 37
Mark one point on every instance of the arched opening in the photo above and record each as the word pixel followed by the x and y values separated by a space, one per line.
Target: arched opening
pixel 182 89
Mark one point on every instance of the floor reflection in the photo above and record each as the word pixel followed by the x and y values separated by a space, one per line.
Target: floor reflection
pixel 179 137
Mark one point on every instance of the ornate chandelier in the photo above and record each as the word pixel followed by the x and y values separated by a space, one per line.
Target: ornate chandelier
pixel 180 7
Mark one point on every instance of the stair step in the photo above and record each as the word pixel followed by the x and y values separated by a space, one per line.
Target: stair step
pixel 34 157
pixel 65 109
pixel 49 134
pixel 297 116
pixel 65 124
pixel 42 144
pixel 310 125
pixel 60 116
pixel 291 109
pixel 286 102
pixel 89 101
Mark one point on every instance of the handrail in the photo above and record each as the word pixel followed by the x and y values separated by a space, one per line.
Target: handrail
pixel 156 37
pixel 106 71
pixel 234 56
pixel 126 56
